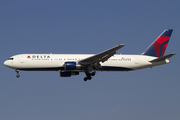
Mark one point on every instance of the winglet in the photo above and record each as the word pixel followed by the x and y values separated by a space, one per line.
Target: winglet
pixel 163 58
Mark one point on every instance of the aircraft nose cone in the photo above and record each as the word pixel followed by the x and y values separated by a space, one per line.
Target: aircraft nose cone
pixel 8 63
pixel 5 63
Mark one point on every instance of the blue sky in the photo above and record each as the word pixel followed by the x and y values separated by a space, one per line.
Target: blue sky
pixel 84 26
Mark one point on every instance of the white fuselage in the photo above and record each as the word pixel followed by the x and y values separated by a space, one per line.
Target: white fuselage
pixel 55 62
pixel 71 64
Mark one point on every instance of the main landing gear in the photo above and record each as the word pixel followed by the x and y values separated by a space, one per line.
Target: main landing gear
pixel 17 71
pixel 88 75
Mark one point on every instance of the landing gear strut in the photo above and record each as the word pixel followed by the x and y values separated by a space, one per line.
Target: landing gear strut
pixel 88 75
pixel 17 71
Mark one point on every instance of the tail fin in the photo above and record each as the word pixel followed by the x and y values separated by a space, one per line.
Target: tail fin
pixel 158 47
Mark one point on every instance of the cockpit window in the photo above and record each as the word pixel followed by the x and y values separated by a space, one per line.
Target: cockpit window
pixel 10 58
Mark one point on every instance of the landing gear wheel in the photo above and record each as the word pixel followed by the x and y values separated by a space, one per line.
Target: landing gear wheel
pixel 93 73
pixel 85 79
pixel 89 75
pixel 18 76
pixel 89 78
pixel 17 71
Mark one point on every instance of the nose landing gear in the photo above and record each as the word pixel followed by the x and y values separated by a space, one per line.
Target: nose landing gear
pixel 17 71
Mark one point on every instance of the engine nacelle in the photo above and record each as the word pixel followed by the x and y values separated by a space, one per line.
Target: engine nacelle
pixel 70 65
pixel 68 73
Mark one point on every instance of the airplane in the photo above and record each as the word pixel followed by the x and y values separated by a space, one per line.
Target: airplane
pixel 72 64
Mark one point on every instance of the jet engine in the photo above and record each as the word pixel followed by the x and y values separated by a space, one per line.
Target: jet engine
pixel 70 65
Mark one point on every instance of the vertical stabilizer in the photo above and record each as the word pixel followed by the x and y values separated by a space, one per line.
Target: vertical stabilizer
pixel 158 47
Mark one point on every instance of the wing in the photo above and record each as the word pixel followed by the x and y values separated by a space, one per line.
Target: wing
pixel 100 57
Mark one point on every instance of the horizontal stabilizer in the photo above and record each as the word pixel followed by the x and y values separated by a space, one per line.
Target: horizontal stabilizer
pixel 163 58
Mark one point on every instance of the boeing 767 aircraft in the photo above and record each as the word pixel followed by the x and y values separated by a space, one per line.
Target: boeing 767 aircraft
pixel 71 64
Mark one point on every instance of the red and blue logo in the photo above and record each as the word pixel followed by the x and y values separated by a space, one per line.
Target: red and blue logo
pixel 158 47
